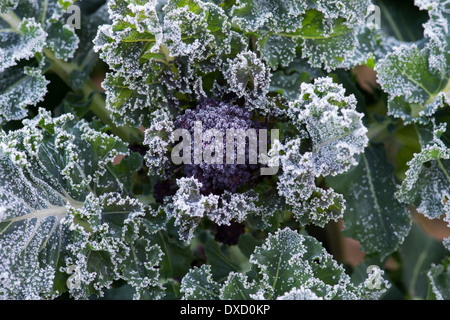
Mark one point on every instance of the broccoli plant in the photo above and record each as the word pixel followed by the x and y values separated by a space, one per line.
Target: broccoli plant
pixel 224 149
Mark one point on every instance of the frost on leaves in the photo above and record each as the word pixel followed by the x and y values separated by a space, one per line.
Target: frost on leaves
pixel 65 209
pixel 309 272
pixel 328 119
pixel 417 78
pixel 28 31
pixel 427 182
pixel 189 206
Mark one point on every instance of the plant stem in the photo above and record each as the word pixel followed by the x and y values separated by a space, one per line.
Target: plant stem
pixel 376 130
pixel 98 106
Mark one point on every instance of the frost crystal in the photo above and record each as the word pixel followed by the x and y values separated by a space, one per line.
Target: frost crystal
pixel 329 119
pixel 57 189
pixel 222 117
pixel 309 272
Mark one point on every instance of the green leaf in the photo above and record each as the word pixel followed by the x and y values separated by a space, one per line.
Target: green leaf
pixel 85 58
pixel 287 265
pixel 416 77
pixel 20 86
pixel 177 256
pixel 237 288
pixel 198 285
pixel 67 222
pixel 427 182
pixel 287 81
pixel 30 32
pixel 221 265
pixel 254 15
pixel 418 253
pixel 373 215
pixel 334 134
pixel 439 279
pixel 401 19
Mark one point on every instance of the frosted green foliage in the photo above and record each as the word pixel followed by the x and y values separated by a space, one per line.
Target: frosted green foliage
pixel 439 280
pixel 325 116
pixel 427 182
pixel 199 285
pixel 7 5
pixel 67 222
pixel 19 88
pixel 416 78
pixel 333 125
pixel 272 15
pixel 188 206
pixel 287 266
pixel 325 31
pixel 301 293
pixel 23 44
pixel 194 49
pixel 373 216
pixel 28 31
pixel 156 59
pixel 248 76
pixel 158 139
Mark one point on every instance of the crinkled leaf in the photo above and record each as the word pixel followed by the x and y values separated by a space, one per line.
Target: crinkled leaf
pixel 285 262
pixel 427 182
pixel 20 86
pixel 33 31
pixel 198 285
pixel 66 221
pixel 418 253
pixel 328 120
pixel 416 78
pixel 373 215
pixel 439 279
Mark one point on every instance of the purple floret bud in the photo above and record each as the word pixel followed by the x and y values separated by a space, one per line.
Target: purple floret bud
pixel 220 116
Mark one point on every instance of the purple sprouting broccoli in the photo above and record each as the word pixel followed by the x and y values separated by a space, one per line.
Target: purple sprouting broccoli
pixel 221 116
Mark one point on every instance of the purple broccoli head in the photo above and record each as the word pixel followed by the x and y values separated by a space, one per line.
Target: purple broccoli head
pixel 220 116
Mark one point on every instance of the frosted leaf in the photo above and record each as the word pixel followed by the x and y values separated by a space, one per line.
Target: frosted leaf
pixel 67 223
pixel 32 35
pixel 300 294
pixel 373 215
pixel 331 36
pixel 427 182
pixel 285 16
pixel 308 272
pixel 23 43
pixel 199 285
pixel 234 207
pixel 416 78
pixel 325 116
pixel 159 52
pixel 7 5
pixel 236 287
pixel 323 30
pixel 277 50
pixel 287 81
pixel 329 53
pixel 333 124
pixel 158 140
pixel 439 280
pixel 20 87
pixel 189 206
pixel 247 76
